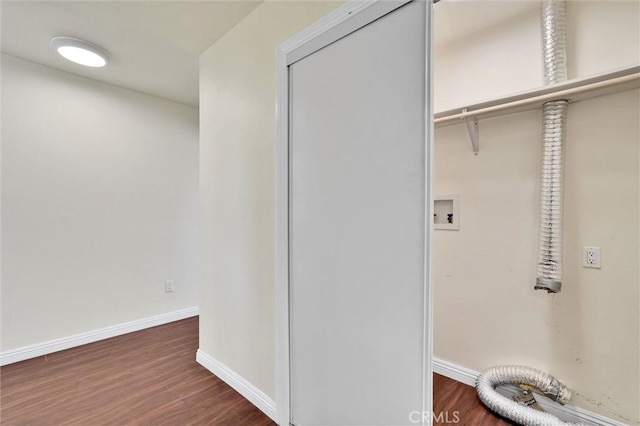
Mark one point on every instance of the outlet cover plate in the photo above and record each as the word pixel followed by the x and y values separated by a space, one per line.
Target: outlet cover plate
pixel 591 257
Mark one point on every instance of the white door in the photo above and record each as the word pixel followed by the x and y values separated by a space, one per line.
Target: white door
pixel 358 188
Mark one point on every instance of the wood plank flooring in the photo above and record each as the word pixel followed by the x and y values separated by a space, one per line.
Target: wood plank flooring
pixel 450 396
pixel 150 377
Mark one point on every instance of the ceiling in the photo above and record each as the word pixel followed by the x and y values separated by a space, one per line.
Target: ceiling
pixel 154 46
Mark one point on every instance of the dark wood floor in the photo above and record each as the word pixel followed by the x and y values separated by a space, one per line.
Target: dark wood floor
pixel 450 397
pixel 150 377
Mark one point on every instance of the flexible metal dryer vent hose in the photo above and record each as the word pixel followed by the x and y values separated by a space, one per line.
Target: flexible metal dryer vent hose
pixel 549 271
pixel 554 119
pixel 493 377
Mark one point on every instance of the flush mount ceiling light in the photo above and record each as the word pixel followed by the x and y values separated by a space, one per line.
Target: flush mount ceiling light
pixel 81 52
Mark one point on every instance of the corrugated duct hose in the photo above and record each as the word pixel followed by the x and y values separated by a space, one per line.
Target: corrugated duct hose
pixel 550 233
pixel 554 121
pixel 489 379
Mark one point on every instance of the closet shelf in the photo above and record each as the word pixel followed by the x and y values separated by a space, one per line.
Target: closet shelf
pixel 571 90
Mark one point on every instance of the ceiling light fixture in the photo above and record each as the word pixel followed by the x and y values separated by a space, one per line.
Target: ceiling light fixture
pixel 81 52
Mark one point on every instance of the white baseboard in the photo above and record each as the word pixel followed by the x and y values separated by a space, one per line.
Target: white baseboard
pixel 568 413
pixel 45 348
pixel 239 383
pixel 455 372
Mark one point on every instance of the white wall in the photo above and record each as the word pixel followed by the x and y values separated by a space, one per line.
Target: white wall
pixel 99 204
pixel 237 189
pixel 486 49
pixel 486 312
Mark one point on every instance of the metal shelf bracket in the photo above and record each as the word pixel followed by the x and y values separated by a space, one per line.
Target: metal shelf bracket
pixel 474 131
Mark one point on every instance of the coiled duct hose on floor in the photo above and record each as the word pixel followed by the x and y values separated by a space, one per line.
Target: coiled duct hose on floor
pixel 493 377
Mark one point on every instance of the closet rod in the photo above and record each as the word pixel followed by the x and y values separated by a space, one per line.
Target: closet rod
pixel 574 90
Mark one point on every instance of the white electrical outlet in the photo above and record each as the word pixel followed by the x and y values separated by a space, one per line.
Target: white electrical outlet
pixel 591 257
pixel 168 286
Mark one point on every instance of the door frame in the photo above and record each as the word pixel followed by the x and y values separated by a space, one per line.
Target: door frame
pixel 342 21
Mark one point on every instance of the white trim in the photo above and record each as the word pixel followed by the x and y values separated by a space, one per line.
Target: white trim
pixel 455 372
pixel 239 383
pixel 44 348
pixel 282 252
pixel 349 17
pixel 340 22
pixel 427 303
pixel 568 413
